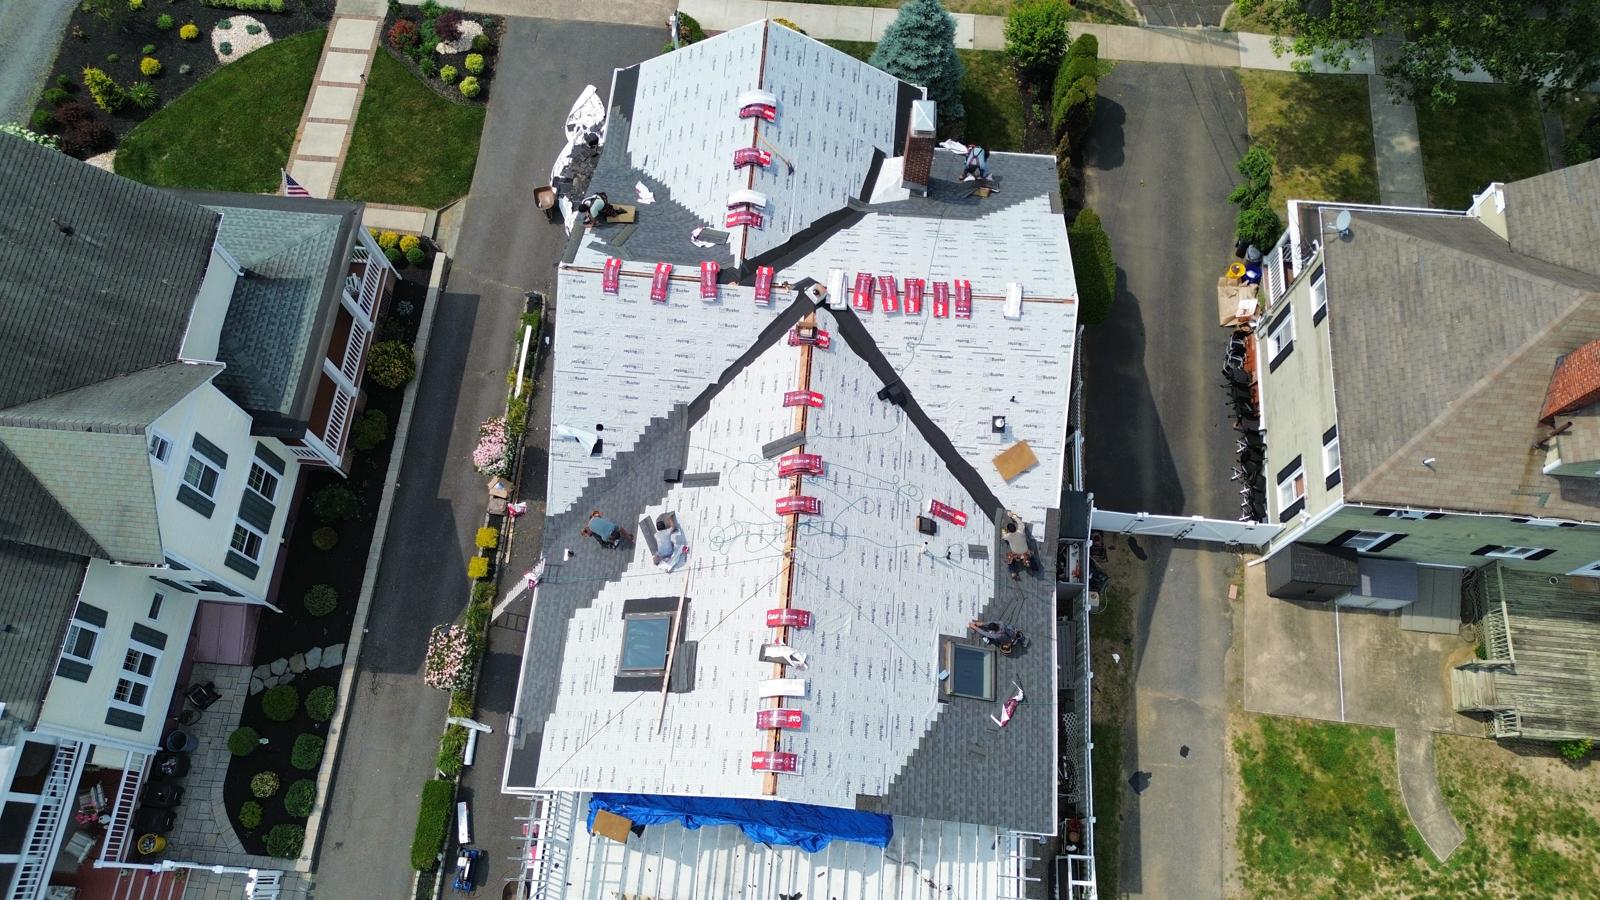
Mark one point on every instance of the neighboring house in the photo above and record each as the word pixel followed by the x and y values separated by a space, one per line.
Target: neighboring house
pixel 805 682
pixel 1430 390
pixel 168 362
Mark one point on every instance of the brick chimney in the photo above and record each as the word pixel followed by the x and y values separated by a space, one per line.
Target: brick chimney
pixel 1574 384
pixel 918 157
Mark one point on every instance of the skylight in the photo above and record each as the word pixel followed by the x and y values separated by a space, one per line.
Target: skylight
pixel 971 671
pixel 644 643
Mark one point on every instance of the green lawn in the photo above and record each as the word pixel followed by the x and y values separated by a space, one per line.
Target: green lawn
pixel 411 147
pixel 1107 764
pixel 1109 12
pixel 1492 133
pixel 233 130
pixel 1319 128
pixel 994 105
pixel 1253 22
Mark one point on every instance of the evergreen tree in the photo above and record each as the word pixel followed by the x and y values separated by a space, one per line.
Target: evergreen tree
pixel 920 47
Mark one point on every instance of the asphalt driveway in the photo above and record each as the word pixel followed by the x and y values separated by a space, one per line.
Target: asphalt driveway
pixel 1159 169
pixel 1188 13
pixel 505 249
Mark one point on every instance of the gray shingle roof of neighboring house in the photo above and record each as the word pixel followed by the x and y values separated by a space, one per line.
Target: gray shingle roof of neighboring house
pixel 38 589
pixel 1443 340
pixel 295 252
pixel 1556 216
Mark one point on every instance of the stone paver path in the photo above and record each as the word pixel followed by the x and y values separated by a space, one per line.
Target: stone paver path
pixel 1419 786
pixel 330 115
pixel 1395 137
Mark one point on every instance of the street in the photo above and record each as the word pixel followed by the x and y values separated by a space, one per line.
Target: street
pixel 1159 167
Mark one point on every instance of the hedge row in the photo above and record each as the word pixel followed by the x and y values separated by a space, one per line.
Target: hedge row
pixel 433 823
pixel 1094 267
pixel 1077 86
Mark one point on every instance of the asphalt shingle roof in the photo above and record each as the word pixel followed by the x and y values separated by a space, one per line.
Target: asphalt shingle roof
pixel 1556 216
pixel 38 589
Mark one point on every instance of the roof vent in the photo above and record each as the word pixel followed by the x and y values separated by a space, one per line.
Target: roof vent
pixel 917 168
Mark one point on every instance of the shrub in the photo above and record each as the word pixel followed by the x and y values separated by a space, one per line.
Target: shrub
pixel 135 5
pixel 1259 225
pixel 113 57
pixel 335 503
pixel 480 43
pixel 320 703
pixel 280 702
pixel 82 135
pixel 1070 90
pixel 469 87
pixel 165 23
pixel 250 815
pixel 321 599
pixel 243 741
pixel 65 83
pixel 42 120
pixel 427 67
pixel 252 28
pixel 447 74
pixel 493 453
pixel 189 32
pixel 264 785
pixel 149 50
pixel 1036 35
pixel 285 841
pixel 477 567
pixel 324 538
pixel 307 752
pixel 370 430
pixel 461 701
pixel 409 241
pixel 107 94
pixel 301 796
pixel 394 257
pixel 388 239
pixel 225 48
pixel 474 63
pixel 919 47
pixel 790 25
pixel 448 25
pixel 452 750
pixel 416 256
pixel 143 94
pixel 433 821
pixel 1576 749
pixel 224 24
pixel 488 538
pixel 516 415
pixel 1094 266
pixel 403 35
pixel 392 364
pixel 689 31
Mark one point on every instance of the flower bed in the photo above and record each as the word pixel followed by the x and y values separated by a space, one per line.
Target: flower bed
pixel 451 51
pixel 294 745
pixel 139 60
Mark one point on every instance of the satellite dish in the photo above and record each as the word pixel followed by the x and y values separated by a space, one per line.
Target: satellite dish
pixel 1341 223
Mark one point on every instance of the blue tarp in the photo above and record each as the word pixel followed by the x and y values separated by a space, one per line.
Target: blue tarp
pixel 775 822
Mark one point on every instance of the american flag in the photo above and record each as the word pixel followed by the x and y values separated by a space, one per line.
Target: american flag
pixel 292 188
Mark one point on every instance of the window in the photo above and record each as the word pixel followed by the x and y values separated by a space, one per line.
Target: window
pixel 1515 552
pixel 1330 458
pixel 247 541
pixel 1319 296
pixel 81 641
pixel 1410 515
pixel 1592 570
pixel 155 606
pixel 1371 541
pixel 133 686
pixel 263 482
pixel 160 446
pixel 971 671
pixel 1280 339
pixel 644 644
pixel 201 476
pixel 1291 489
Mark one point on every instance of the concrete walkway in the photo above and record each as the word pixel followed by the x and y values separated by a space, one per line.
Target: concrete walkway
pixel 323 138
pixel 30 32
pixel 621 12
pixel 1419 786
pixel 1395 137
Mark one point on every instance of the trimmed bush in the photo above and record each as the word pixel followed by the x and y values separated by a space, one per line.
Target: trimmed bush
pixel 1036 35
pixel 107 94
pixel 427 67
pixel 409 242
pixel 1094 266
pixel 264 785
pixel 321 599
pixel 470 87
pixel 243 741
pixel 477 567
pixel 1257 223
pixel 452 750
pixel 307 752
pixel 65 83
pixel 143 94
pixel 433 821
pixel 416 255
pixel 189 32
pixel 225 48
pixel 135 5
pixel 150 67
pixel 1071 91
pixel 224 24
pixel 250 815
pixel 394 257
pixel 474 63
pixel 480 43
pixel 164 22
pixel 388 239
pixel 285 841
pixel 301 796
pixel 370 430
pixel 488 538
pixel 42 121
pixel 447 74
pixel 113 57
pixel 321 702
pixel 392 363
pixel 280 702
pixel 335 503
pixel 149 50
pixel 448 25
pixel 324 538
pixel 403 35
pixel 790 25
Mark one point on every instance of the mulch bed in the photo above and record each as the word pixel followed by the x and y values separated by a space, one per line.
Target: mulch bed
pixel 281 635
pixel 125 35
pixel 493 29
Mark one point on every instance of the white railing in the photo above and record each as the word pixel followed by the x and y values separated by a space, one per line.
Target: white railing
pixel 338 421
pixel 547 841
pixel 354 346
pixel 115 846
pixel 1274 270
pixel 38 855
pixel 371 286
pixel 263 885
pixel 305 453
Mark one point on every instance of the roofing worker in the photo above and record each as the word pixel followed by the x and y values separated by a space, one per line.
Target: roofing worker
pixel 597 207
pixel 977 165
pixel 1018 554
pixel 606 533
pixel 1002 636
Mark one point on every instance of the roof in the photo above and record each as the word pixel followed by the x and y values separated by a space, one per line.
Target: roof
pixel 1556 216
pixel 1497 321
pixel 296 251
pixel 1575 382
pixel 1554 685
pixel 38 589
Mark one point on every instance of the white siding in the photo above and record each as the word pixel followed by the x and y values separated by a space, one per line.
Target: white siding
pixel 1297 401
pixel 210 309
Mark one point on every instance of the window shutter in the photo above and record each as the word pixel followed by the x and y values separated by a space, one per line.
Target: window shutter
pixel 272 460
pixel 1318 314
pixel 71 668
pixel 1292 510
pixel 175 585
pixel 1286 470
pixel 241 564
pixel 1283 354
pixel 121 718
pixel 210 451
pixel 1332 479
pixel 148 636
pixel 1486 549
pixel 1541 554
pixel 88 612
pixel 1434 516
pixel 1387 542
pixel 1345 536
pixel 196 501
pixel 255 511
pixel 1330 434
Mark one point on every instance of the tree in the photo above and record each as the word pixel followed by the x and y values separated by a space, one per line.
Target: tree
pixel 1093 266
pixel 1553 46
pixel 919 46
pixel 1036 35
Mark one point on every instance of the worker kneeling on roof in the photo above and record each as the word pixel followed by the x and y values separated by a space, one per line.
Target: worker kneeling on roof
pixel 597 207
pixel 977 164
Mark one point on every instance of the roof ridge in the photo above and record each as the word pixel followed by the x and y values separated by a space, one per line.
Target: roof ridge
pixel 1579 281
pixel 12 415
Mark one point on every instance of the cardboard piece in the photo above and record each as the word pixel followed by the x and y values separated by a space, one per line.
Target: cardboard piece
pixel 1014 460
pixel 610 825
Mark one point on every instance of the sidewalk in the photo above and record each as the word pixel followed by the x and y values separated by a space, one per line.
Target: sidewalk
pixel 323 138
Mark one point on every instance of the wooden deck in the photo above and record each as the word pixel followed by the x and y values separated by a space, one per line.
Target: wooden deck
pixel 1554 684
